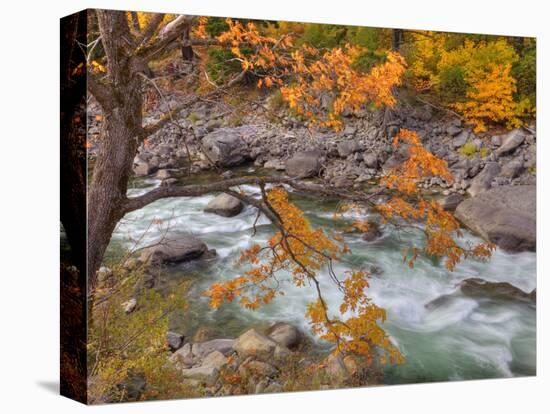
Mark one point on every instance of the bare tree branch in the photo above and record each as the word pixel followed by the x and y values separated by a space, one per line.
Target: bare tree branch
pixel 118 41
pixel 151 27
pixel 167 35
pixel 194 190
pixel 135 22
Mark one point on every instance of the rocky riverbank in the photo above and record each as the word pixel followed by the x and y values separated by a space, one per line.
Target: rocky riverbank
pixel 207 139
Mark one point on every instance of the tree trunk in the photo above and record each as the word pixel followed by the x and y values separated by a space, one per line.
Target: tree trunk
pixel 397 39
pixel 187 53
pixel 118 146
pixel 120 96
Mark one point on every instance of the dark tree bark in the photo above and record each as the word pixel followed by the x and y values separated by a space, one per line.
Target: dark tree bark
pixel 120 96
pixel 397 39
pixel 187 52
pixel 122 106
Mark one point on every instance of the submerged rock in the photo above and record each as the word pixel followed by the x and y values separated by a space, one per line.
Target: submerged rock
pixel 374 232
pixel 182 249
pixel 505 216
pixel 224 205
pixel 475 287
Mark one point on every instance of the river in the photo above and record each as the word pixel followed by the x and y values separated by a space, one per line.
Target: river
pixel 459 338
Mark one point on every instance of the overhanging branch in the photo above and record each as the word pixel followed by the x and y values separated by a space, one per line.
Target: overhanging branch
pixel 195 190
pixel 168 34
pixel 151 27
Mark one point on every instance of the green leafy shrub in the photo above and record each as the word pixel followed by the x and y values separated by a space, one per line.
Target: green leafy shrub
pixel 453 84
pixel 193 117
pixel 220 65
pixel 368 59
pixel 525 73
pixel 127 344
pixel 276 102
pixel 324 35
pixel 215 26
pixel 468 150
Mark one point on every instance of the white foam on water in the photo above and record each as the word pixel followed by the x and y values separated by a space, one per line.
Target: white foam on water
pixel 459 338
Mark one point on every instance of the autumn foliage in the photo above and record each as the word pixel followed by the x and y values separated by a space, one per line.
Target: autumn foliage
pixel 440 227
pixel 320 86
pixel 328 87
pixel 321 82
pixel 472 77
pixel 302 251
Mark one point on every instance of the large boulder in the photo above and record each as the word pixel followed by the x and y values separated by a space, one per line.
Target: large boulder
pixel 483 180
pixel 504 215
pixel 460 139
pixel 226 146
pixel 201 349
pixel 479 288
pixel 224 205
pixel 190 353
pixel 256 344
pixel 285 334
pixel 513 168
pixel 450 202
pixel 174 340
pixel 347 148
pixel 167 250
pixel 335 367
pixel 304 164
pixel 256 369
pixel 371 160
pixel 144 168
pixel 208 371
pixel 511 141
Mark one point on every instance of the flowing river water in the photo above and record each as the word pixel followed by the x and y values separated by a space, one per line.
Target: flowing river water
pixel 456 338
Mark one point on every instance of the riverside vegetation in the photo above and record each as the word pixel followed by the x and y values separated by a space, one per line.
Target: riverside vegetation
pixel 376 182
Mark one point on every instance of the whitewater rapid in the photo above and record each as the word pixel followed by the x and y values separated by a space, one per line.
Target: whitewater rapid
pixel 454 339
